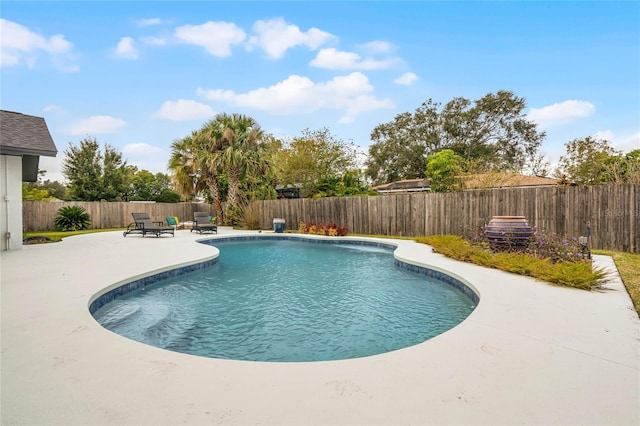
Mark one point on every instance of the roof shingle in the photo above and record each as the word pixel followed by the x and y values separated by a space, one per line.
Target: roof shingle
pixel 22 134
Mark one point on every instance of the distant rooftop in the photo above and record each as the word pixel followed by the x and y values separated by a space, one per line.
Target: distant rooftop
pixel 22 134
pixel 478 181
pixel 506 180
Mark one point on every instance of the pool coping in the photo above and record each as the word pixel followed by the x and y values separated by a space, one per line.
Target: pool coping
pixel 530 353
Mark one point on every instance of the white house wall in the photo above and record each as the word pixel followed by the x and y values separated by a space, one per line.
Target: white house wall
pixel 11 201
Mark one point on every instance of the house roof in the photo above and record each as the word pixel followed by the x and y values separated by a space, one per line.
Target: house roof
pixel 479 181
pixel 506 180
pixel 407 185
pixel 22 134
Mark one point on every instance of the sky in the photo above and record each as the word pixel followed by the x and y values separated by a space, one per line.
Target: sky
pixel 139 75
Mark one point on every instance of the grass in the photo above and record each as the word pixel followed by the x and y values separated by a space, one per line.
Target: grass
pixel 572 274
pixel 55 236
pixel 628 265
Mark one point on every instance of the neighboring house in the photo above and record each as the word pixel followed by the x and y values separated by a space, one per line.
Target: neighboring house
pixel 507 180
pixel 289 191
pixel 408 185
pixel 479 181
pixel 23 139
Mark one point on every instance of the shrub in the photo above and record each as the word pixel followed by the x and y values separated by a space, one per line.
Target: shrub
pixel 573 273
pixel 72 218
pixel 330 229
pixel 251 218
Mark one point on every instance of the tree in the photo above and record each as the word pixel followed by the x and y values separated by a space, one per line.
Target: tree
pixel 492 133
pixel 227 149
pixel 313 157
pixel 623 168
pixel 34 193
pixel 238 142
pixel 444 169
pixel 94 175
pixel 401 147
pixel 586 159
pixel 43 191
pixel 147 186
pixel 195 166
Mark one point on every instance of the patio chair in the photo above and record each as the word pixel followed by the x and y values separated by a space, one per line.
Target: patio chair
pixel 144 225
pixel 202 223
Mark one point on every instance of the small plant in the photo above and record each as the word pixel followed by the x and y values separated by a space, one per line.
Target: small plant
pixel 72 218
pixel 330 229
pixel 251 218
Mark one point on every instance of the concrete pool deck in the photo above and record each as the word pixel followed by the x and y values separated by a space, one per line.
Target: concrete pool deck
pixel 530 353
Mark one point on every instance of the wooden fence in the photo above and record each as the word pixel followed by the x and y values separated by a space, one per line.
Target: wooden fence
pixel 612 210
pixel 39 215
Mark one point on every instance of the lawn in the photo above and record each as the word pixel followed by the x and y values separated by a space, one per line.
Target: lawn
pixel 55 236
pixel 628 265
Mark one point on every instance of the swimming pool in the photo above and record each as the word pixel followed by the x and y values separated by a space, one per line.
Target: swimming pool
pixel 290 300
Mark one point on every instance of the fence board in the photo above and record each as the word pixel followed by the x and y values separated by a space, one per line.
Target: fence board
pixel 613 211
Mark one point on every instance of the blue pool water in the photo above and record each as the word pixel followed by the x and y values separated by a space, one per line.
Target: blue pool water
pixel 283 300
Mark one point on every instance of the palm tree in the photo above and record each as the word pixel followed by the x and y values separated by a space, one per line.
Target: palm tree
pixel 238 145
pixel 194 166
pixel 228 144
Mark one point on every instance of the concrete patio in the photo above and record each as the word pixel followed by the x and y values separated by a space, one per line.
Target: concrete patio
pixel 530 353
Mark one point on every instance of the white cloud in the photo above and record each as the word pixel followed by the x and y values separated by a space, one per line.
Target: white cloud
pixel 155 41
pixel 630 143
pixel 184 110
pixel 377 46
pixel 216 37
pixel 98 124
pixel 146 157
pixel 126 49
pixel 339 60
pixel 53 167
pixel 351 94
pixel 148 22
pixel 606 135
pixel 560 113
pixel 142 149
pixel 406 79
pixel 52 108
pixel 621 143
pixel 275 37
pixel 20 45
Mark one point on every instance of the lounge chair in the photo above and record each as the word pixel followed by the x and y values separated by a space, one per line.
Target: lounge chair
pixel 144 225
pixel 202 223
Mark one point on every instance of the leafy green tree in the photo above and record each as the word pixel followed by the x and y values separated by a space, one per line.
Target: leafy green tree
pixel 34 193
pixel 492 133
pixel 94 175
pixel 314 157
pixel 444 169
pixel 401 146
pixel 585 161
pixel 167 196
pixel 43 191
pixel 147 186
pixel 350 183
pixel 621 168
pixel 55 189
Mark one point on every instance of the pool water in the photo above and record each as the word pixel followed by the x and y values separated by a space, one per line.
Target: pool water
pixel 289 301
